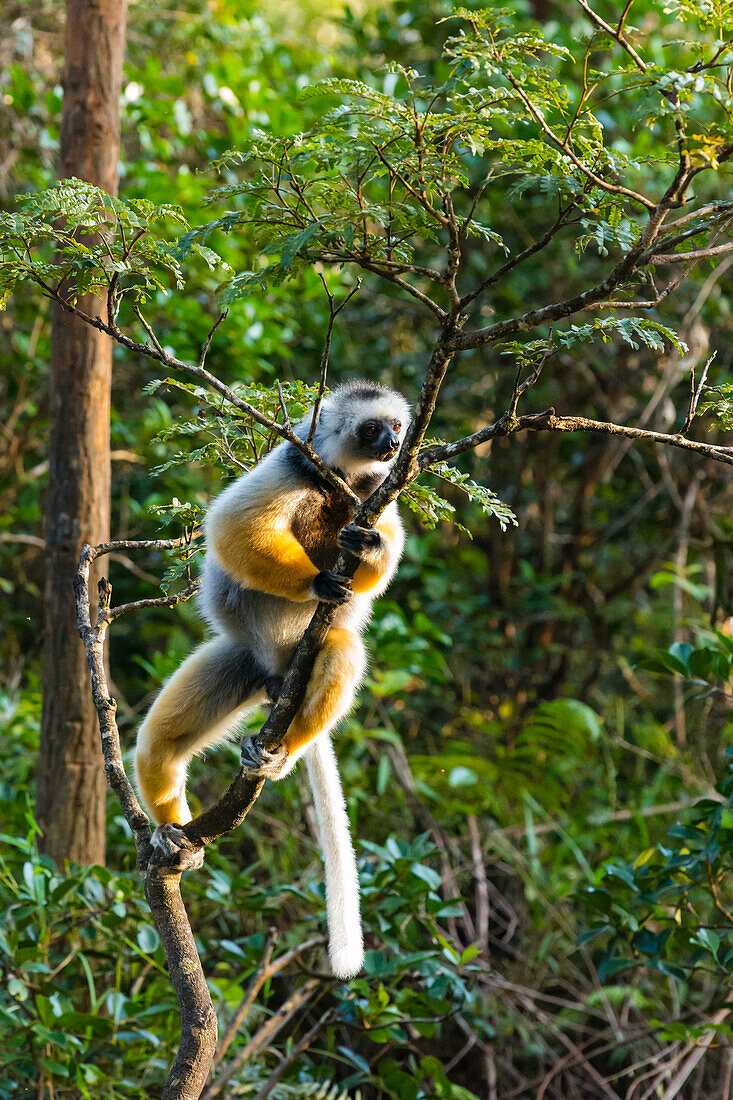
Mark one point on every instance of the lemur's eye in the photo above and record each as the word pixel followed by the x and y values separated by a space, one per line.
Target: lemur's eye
pixel 370 430
pixel 397 426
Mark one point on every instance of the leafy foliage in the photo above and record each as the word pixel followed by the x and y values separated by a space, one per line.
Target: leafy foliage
pixel 666 910
pixel 718 401
pixel 232 439
pixel 68 217
pixel 434 509
pixel 85 988
pixel 508 712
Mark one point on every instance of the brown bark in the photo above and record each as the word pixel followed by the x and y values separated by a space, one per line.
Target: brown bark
pixel 70 780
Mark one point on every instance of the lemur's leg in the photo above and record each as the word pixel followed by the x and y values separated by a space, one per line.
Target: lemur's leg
pixel 196 707
pixel 333 683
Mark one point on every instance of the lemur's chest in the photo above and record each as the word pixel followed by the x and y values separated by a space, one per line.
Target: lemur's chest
pixel 316 524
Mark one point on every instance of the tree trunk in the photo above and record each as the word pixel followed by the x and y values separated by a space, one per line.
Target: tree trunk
pixel 70 779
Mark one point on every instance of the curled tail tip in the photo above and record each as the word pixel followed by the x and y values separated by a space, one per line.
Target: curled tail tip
pixel 346 962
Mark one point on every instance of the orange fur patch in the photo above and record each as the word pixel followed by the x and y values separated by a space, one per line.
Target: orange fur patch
pixel 161 782
pixel 369 574
pixel 259 550
pixel 366 577
pixel 173 812
pixel 330 689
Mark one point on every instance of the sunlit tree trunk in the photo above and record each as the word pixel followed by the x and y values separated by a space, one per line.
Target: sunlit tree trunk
pixel 70 787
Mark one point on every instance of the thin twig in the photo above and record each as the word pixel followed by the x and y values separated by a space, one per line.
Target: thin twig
pixel 207 341
pixel 333 312
pixel 158 601
pixel 148 328
pixel 277 1075
pixel 369 264
pixel 695 392
pixel 281 399
pixel 617 34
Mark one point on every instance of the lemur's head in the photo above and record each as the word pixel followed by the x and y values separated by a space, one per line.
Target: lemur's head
pixel 361 427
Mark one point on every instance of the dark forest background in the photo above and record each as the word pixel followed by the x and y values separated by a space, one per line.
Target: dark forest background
pixel 536 769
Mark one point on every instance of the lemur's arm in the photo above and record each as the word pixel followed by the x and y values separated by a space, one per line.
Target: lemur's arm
pixel 255 544
pixel 379 548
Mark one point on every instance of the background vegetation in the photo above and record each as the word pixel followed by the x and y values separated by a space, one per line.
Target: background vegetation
pixel 540 923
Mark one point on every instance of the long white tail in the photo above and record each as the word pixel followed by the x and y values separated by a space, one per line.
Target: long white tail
pixel 346 941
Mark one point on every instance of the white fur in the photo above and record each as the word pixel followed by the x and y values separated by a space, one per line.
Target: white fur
pixel 341 413
pixel 345 939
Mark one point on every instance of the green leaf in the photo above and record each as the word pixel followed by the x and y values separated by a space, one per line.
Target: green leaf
pixel 610 965
pixel 591 933
pixel 147 938
pixel 462 777
pixel 427 874
pixel 708 939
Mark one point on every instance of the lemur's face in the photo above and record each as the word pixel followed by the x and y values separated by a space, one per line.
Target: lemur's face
pixel 361 429
pixel 378 438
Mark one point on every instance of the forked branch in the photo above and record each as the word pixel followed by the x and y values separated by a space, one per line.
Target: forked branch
pixel 157 353
pixel 162 880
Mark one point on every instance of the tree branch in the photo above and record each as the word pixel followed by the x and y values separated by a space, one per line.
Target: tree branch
pixel 617 34
pixel 684 257
pixel 515 261
pixel 162 884
pixel 158 354
pixel 209 338
pixel 333 312
pixel 612 188
pixel 159 601
pixel 549 421
pixel 695 392
pixel 478 338
pixel 373 266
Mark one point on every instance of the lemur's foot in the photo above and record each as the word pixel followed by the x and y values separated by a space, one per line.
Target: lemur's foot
pixel 176 849
pixel 259 763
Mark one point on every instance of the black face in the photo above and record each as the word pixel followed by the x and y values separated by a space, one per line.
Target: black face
pixel 378 439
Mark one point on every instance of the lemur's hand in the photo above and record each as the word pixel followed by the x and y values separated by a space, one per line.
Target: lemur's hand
pixel 359 541
pixel 332 587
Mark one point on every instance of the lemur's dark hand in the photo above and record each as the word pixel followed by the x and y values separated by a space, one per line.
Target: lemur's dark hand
pixel 332 587
pixel 359 540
